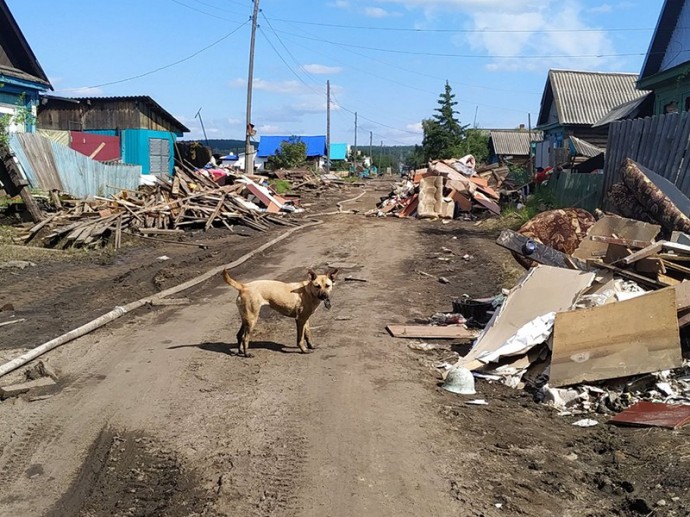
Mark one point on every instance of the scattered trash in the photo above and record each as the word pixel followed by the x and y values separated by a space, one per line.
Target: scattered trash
pixel 586 422
pixel 459 380
pixel 163 257
pixel 654 414
pixel 477 402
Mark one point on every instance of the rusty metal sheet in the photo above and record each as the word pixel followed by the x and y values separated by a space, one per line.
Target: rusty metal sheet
pixel 654 414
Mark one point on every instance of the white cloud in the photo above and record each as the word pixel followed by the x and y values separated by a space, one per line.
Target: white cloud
pixel 284 87
pixel 322 69
pixel 340 4
pixel 415 127
pixel 524 48
pixel 601 9
pixel 376 12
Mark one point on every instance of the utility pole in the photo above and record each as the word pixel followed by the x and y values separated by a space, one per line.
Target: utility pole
pixel 355 155
pixel 328 127
pixel 381 158
pixel 371 154
pixel 531 159
pixel 248 151
pixel 198 114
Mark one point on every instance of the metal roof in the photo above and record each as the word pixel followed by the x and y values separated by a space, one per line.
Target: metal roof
pixel 585 97
pixel 516 142
pixel 268 145
pixel 622 111
pixel 583 148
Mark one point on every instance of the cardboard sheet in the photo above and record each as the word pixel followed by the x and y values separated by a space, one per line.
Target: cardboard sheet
pixel 620 227
pixel 542 290
pixel 616 340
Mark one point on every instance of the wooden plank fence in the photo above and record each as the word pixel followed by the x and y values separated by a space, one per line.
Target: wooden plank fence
pixel 661 143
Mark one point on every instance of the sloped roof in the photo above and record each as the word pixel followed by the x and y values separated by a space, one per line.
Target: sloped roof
pixel 668 47
pixel 16 57
pixel 269 144
pixel 338 151
pixel 517 142
pixel 583 98
pixel 583 148
pixel 625 110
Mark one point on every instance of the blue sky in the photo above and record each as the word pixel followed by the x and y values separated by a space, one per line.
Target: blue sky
pixel 387 60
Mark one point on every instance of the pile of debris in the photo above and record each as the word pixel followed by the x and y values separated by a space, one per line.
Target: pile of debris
pixel 608 336
pixel 190 199
pixel 447 189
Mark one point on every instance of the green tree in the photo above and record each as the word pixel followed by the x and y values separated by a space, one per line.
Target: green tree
pixel 477 144
pixel 292 153
pixel 443 133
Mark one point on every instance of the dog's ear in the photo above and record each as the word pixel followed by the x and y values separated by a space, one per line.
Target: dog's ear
pixel 312 275
pixel 332 273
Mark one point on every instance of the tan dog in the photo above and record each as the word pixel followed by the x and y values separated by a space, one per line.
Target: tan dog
pixel 296 300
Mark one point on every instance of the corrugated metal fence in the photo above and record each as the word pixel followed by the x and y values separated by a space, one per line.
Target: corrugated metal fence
pixel 576 190
pixel 49 165
pixel 660 143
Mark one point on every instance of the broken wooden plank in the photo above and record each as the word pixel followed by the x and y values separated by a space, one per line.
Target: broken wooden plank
pixel 431 332
pixel 628 243
pixel 650 250
pixel 616 340
pixel 17 389
pixel 656 284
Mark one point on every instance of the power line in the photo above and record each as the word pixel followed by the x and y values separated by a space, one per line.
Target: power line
pixel 206 13
pixel 466 56
pixel 168 65
pixel 464 31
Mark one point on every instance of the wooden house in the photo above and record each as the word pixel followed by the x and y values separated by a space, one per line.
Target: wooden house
pixel 666 69
pixel 575 103
pixel 21 75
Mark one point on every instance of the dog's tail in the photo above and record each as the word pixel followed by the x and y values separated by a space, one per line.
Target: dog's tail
pixel 231 281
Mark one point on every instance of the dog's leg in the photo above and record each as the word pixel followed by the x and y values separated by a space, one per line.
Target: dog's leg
pixel 240 337
pixel 308 336
pixel 249 312
pixel 300 335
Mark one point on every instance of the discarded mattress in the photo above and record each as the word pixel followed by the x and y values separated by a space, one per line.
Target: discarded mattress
pixel 561 229
pixel 660 198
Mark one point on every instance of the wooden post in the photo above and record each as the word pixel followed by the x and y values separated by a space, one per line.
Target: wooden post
pixel 15 184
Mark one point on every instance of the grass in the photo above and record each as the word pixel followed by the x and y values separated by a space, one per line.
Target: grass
pixel 515 215
pixel 281 186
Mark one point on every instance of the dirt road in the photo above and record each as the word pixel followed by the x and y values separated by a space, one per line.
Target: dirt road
pixel 157 416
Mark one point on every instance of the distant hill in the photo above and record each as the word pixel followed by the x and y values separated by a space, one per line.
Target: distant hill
pixel 223 146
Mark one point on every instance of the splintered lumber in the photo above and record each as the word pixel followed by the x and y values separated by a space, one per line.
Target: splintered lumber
pixel 616 340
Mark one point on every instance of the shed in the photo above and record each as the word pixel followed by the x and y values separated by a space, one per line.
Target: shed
pixel 512 145
pixel 147 132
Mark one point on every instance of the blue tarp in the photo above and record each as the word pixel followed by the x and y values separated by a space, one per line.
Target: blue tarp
pixel 268 145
